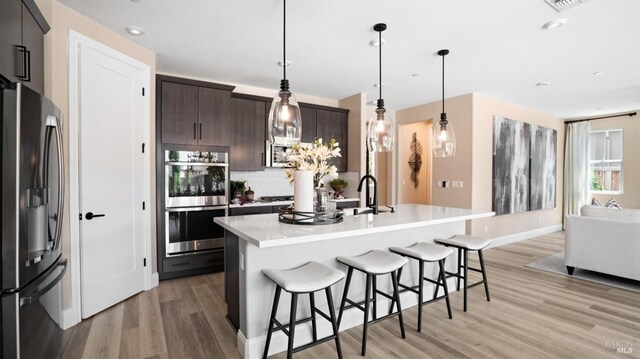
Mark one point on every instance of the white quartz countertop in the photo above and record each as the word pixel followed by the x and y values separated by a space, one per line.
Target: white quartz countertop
pixel 284 203
pixel 265 230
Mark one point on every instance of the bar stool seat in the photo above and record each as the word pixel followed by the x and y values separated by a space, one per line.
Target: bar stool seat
pixel 374 262
pixel 471 243
pixel 424 251
pixel 307 278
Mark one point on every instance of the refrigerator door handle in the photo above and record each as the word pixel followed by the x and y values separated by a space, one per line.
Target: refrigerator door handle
pixel 40 288
pixel 54 122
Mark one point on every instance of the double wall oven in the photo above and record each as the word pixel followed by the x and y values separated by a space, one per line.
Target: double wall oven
pixel 196 191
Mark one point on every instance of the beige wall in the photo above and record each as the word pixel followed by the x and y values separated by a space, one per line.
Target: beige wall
pixel 484 108
pixel 472 118
pixel 407 190
pixel 62 19
pixel 356 105
pixel 630 198
pixel 457 168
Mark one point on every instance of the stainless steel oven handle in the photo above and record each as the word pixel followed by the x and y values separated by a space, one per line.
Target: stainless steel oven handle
pixel 212 164
pixel 192 209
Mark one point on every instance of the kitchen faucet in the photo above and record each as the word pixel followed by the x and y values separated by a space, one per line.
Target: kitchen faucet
pixel 374 205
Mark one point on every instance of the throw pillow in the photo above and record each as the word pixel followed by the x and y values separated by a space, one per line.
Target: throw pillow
pixel 595 202
pixel 612 203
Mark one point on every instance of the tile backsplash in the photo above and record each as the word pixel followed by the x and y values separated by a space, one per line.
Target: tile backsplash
pixel 271 182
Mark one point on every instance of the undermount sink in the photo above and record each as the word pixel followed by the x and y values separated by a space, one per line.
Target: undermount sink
pixel 365 210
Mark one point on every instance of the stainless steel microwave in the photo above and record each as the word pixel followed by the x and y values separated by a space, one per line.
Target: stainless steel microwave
pixel 277 155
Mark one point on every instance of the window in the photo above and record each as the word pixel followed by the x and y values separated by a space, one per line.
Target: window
pixel 606 155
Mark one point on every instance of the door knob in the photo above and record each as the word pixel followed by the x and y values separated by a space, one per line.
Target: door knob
pixel 89 216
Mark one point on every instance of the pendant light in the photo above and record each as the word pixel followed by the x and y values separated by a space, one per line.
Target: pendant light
pixel 285 120
pixel 380 129
pixel 444 138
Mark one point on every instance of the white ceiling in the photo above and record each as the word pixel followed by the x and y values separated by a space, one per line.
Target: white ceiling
pixel 498 47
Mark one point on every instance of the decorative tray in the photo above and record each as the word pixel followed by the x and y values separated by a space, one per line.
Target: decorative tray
pixel 289 216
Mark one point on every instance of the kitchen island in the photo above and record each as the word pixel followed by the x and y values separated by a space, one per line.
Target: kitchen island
pixel 256 242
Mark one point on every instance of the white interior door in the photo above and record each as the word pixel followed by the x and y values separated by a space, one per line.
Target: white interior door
pixel 111 112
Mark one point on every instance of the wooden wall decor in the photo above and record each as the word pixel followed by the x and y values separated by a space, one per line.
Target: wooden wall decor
pixel 415 160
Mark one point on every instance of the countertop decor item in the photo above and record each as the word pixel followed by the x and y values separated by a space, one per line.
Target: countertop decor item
pixel 303 190
pixel 237 188
pixel 338 184
pixel 291 216
pixel 380 132
pixel 249 194
pixel 444 138
pixel 285 119
pixel 315 159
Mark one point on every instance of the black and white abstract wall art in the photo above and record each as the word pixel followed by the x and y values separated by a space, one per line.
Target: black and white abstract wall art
pixel 524 166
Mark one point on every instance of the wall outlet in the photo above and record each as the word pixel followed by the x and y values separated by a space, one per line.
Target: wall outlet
pixel 443 184
pixel 486 229
pixel 457 184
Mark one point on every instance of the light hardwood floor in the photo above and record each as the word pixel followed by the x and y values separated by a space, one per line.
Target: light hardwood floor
pixel 532 314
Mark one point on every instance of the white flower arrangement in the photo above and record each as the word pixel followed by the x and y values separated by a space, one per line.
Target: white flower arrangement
pixel 315 159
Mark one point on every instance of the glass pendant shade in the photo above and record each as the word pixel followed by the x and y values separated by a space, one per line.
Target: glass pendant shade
pixel 444 140
pixel 380 132
pixel 285 119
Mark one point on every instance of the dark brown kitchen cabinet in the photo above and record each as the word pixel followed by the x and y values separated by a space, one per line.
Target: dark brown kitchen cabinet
pixel 214 117
pixel 308 124
pixel 22 29
pixel 334 124
pixel 194 112
pixel 248 133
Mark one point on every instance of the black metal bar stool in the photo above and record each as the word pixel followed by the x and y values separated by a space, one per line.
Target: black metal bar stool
pixel 372 264
pixel 465 244
pixel 424 253
pixel 307 279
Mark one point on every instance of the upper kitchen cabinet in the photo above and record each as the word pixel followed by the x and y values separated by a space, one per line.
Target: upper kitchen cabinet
pixel 248 133
pixel 22 29
pixel 194 112
pixel 308 124
pixel 326 123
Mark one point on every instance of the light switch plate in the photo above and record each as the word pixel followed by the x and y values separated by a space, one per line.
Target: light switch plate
pixel 457 184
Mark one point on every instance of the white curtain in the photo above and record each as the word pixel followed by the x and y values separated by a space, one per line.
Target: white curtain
pixel 576 167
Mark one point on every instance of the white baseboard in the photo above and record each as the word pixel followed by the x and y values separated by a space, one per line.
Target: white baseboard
pixel 154 281
pixel 69 319
pixel 516 237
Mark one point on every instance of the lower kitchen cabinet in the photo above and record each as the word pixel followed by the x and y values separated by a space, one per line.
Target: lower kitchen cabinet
pixel 192 264
pixel 347 204
pixel 243 211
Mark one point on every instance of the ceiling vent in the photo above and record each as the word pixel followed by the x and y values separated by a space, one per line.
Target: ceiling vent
pixel 561 5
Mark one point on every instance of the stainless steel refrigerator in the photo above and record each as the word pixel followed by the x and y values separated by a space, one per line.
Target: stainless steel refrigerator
pixel 32 213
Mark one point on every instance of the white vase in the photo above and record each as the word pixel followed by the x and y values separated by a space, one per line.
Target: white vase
pixel 303 191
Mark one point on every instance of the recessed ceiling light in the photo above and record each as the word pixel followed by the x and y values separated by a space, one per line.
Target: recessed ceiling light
pixel 376 85
pixel 554 24
pixel 135 30
pixel 135 0
pixel 598 73
pixel 284 63
pixel 545 83
pixel 598 108
pixel 415 75
pixel 376 43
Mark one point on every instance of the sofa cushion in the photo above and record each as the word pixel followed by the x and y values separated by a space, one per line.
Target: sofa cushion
pixel 632 215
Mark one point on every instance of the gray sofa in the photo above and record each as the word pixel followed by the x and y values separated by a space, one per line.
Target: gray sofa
pixel 605 240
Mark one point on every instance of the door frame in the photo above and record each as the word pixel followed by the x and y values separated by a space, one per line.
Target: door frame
pixel 72 316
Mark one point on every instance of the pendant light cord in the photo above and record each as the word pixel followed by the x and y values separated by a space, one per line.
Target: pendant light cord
pixel 380 62
pixel 284 40
pixel 443 83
